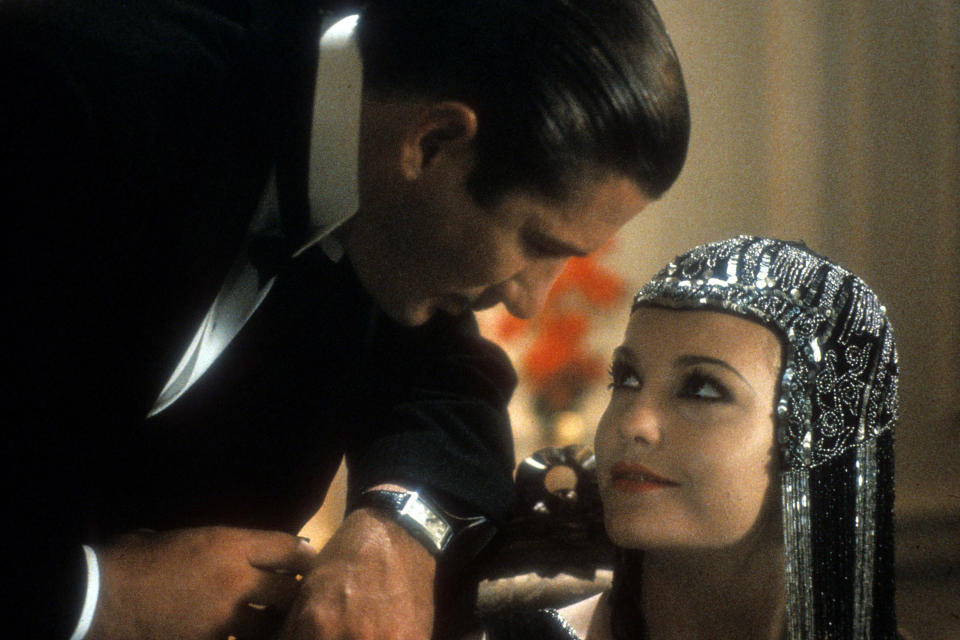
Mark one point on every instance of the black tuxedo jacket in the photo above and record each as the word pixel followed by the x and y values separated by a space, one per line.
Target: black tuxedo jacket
pixel 136 137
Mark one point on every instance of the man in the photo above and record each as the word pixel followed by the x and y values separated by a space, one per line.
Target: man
pixel 211 225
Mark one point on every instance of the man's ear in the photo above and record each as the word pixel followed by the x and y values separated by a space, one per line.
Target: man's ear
pixel 447 127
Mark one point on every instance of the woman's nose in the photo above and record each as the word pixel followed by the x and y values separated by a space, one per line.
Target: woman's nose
pixel 642 424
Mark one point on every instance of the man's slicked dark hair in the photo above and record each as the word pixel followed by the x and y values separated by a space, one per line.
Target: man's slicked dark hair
pixel 561 88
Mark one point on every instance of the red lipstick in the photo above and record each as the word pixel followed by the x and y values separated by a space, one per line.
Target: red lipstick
pixel 636 478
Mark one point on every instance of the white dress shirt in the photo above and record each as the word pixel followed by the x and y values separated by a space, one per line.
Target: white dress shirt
pixel 333 199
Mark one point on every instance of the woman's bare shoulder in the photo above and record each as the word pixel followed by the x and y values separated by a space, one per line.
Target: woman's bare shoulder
pixel 587 619
pixel 590 617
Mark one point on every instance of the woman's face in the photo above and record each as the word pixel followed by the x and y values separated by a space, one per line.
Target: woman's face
pixel 685 450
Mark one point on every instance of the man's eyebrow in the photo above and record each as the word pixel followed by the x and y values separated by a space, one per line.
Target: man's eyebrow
pixel 687 360
pixel 554 246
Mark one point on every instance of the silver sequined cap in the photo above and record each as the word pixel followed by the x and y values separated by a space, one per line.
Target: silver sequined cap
pixel 835 415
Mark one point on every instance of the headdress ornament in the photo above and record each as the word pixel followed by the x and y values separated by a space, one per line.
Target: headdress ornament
pixel 835 415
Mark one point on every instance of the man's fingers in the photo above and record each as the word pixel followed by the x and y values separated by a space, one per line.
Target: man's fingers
pixel 273 591
pixel 281 553
pixel 255 622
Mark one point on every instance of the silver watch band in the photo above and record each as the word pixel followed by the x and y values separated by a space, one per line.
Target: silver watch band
pixel 416 514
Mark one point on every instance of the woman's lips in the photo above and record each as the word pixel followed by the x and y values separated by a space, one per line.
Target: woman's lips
pixel 636 478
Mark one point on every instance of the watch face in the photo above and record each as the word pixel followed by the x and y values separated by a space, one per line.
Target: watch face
pixel 432 524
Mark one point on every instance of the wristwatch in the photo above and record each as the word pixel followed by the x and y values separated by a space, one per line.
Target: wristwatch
pixel 432 526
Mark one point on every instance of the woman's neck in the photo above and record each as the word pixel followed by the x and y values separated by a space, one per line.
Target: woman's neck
pixel 734 593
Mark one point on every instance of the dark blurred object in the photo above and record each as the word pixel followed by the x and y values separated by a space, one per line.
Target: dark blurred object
pixel 554 551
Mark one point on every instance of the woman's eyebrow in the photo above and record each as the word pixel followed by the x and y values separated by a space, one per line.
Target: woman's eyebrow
pixel 687 360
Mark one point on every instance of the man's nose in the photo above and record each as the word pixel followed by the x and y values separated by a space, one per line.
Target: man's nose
pixel 526 292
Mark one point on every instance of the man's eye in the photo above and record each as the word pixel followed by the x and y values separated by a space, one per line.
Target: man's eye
pixel 623 377
pixel 537 249
pixel 543 247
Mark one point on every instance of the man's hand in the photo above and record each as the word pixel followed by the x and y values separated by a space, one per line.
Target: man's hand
pixel 198 584
pixel 371 580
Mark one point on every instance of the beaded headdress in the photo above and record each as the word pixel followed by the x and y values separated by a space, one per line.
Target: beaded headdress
pixel 837 406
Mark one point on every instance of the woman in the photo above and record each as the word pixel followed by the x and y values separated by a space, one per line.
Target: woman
pixel 745 460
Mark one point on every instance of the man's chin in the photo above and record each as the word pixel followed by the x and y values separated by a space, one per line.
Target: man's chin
pixel 483 305
pixel 412 315
pixel 416 314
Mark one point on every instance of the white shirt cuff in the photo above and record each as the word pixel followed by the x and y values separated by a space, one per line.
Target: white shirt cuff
pixel 93 592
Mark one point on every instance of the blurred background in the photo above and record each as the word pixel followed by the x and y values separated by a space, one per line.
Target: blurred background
pixel 835 123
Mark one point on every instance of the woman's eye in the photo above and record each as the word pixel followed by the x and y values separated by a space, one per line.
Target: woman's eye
pixel 623 377
pixel 703 387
